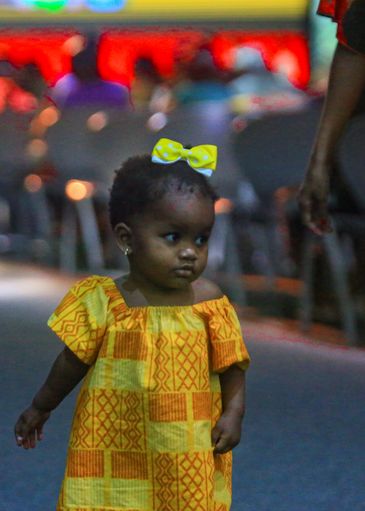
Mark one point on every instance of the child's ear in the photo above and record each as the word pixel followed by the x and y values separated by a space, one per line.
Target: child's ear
pixel 123 235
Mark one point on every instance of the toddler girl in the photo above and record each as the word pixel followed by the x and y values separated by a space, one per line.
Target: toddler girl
pixel 162 402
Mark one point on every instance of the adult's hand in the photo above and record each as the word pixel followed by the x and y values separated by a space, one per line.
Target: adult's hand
pixel 313 197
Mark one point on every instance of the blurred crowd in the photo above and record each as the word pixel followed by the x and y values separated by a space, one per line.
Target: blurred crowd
pixel 34 106
pixel 248 87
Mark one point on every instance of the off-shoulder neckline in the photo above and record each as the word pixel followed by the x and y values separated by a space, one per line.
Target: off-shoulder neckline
pixel 222 298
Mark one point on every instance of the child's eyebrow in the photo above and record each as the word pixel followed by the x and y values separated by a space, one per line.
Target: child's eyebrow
pixel 186 227
pixel 173 227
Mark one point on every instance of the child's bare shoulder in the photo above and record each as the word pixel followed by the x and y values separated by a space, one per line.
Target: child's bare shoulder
pixel 205 289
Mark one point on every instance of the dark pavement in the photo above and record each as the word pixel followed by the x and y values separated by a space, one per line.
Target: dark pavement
pixel 303 446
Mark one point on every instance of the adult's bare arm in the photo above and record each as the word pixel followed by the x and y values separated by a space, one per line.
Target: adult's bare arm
pixel 346 84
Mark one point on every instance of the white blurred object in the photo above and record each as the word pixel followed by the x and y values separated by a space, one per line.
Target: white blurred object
pixel 256 78
pixel 247 58
pixel 157 121
pixel 258 90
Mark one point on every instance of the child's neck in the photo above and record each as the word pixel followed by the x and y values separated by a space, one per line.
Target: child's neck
pixel 136 294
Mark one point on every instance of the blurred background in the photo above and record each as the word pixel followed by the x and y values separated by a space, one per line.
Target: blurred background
pixel 84 84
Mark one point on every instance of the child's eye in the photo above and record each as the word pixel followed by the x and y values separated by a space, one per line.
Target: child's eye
pixel 201 240
pixel 172 237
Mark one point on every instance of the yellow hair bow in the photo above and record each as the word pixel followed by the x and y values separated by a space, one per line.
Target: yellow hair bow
pixel 202 158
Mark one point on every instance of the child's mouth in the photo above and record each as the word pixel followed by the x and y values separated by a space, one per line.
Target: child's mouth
pixel 184 271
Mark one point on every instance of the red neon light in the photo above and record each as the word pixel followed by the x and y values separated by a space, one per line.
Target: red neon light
pixel 272 46
pixel 119 50
pixel 46 49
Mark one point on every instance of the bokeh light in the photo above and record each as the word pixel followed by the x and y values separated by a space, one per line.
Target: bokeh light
pixel 222 206
pixel 97 121
pixel 49 116
pixel 74 44
pixel 33 183
pixel 78 190
pixel 37 148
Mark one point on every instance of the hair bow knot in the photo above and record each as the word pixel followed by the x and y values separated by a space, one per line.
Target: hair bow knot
pixel 202 158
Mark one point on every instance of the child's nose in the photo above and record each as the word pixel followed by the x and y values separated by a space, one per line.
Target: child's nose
pixel 188 253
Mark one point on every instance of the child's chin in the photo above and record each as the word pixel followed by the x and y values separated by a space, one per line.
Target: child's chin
pixel 182 283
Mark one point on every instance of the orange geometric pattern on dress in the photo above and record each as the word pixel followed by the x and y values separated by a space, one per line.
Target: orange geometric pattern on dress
pixel 224 330
pixel 216 406
pixel 226 342
pixel 134 319
pixel 220 507
pixel 165 485
pixel 210 475
pixel 202 406
pixel 129 465
pixel 223 464
pixel 106 431
pixel 133 435
pixel 223 354
pixel 167 407
pixel 180 362
pixel 67 303
pixel 75 330
pixel 104 348
pixel 160 374
pixel 85 463
pixel 130 345
pixel 195 494
pixel 151 385
pixel 81 435
pixel 83 286
pixel 117 307
pixel 190 359
pixel 61 500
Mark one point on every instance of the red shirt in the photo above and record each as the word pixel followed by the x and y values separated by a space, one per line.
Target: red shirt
pixel 335 9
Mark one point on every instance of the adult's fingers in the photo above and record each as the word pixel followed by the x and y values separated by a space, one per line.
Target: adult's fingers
pixel 314 213
pixel 320 216
pixel 305 200
pixel 305 210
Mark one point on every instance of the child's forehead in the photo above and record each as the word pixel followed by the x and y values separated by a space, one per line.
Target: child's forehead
pixel 182 208
pixel 176 201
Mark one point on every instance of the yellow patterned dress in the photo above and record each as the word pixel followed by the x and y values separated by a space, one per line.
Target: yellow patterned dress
pixel 141 434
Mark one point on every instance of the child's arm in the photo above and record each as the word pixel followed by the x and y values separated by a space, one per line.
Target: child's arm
pixel 227 432
pixel 66 372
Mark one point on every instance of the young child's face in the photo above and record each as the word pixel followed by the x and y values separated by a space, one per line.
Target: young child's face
pixel 170 240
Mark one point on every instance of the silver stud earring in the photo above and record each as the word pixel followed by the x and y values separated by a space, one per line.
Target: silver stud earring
pixel 126 251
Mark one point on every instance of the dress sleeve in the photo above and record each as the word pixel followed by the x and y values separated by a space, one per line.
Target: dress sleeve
pixel 335 9
pixel 80 319
pixel 226 342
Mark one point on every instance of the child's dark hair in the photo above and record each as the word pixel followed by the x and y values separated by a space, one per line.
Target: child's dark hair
pixel 139 182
